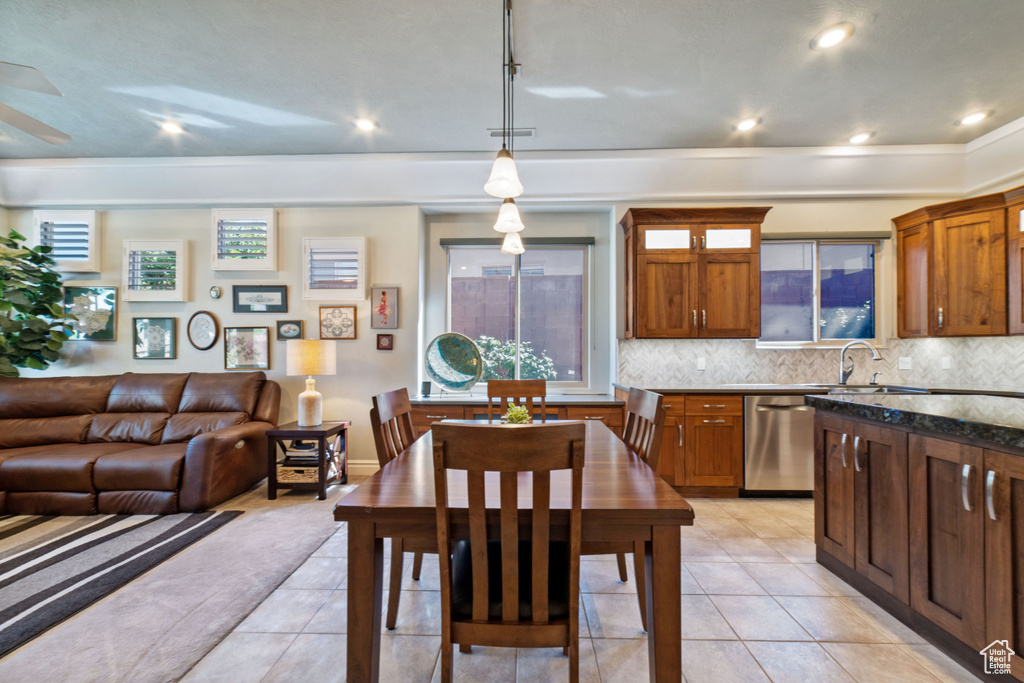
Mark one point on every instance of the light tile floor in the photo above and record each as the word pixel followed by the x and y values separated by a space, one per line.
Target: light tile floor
pixel 755 607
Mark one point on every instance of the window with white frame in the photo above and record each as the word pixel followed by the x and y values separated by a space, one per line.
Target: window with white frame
pixel 334 268
pixel 527 313
pixel 154 270
pixel 73 237
pixel 818 291
pixel 244 239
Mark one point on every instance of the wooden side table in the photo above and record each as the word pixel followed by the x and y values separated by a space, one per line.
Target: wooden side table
pixel 314 477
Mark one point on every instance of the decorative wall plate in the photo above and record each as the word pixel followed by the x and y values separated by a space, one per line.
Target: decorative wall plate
pixel 453 362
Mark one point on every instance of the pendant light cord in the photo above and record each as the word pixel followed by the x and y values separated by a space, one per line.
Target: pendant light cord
pixel 504 82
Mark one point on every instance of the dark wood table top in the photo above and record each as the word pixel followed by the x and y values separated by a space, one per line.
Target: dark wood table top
pixel 294 431
pixel 618 487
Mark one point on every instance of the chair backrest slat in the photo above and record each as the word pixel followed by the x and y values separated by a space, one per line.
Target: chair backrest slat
pixel 541 535
pixel 391 422
pixel 645 420
pixel 518 391
pixel 478 541
pixel 509 546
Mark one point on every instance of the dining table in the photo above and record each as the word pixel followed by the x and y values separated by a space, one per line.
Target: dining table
pixel 623 500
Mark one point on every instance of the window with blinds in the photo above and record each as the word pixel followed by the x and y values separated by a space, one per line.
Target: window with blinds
pixel 72 238
pixel 154 270
pixel 334 268
pixel 244 239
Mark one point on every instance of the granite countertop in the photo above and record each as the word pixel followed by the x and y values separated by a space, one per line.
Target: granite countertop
pixel 997 419
pixel 767 388
pixel 551 399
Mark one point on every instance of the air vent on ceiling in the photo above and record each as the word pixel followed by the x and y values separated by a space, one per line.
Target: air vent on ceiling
pixel 518 132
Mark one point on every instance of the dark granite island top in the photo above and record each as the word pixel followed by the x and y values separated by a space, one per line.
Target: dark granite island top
pixel 987 418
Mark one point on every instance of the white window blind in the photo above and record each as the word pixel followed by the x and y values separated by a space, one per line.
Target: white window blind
pixel 244 239
pixel 72 236
pixel 334 268
pixel 154 270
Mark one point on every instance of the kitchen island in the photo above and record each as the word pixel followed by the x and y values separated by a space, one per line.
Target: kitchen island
pixel 919 504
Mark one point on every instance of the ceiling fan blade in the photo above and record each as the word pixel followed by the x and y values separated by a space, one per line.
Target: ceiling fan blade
pixel 26 78
pixel 32 126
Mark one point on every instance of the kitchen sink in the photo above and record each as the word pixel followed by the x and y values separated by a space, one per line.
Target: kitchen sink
pixel 869 389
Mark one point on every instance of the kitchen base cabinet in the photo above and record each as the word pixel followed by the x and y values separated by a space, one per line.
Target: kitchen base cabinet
pixel 1004 553
pixel 833 488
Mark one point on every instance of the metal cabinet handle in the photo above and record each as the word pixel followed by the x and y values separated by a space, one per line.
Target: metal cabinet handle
pixel 693 242
pixel 965 487
pixel 714 422
pixel 704 318
pixel 437 417
pixel 680 435
pixel 695 318
pixel 714 405
pixel 703 242
pixel 666 406
pixel 842 449
pixel 856 450
pixel 593 417
pixel 940 316
pixel 990 495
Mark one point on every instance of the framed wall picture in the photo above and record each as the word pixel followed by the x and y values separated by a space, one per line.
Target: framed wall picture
pixel 246 348
pixel 385 342
pixel 154 338
pixel 259 298
pixel 96 310
pixel 202 330
pixel 289 329
pixel 384 308
pixel 337 322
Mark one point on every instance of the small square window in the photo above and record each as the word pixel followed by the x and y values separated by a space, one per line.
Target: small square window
pixel 73 237
pixel 244 239
pixel 334 268
pixel 155 270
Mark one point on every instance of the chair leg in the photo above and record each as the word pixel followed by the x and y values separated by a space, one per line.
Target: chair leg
pixel 641 580
pixel 621 557
pixel 417 566
pixel 395 587
pixel 465 649
pixel 446 659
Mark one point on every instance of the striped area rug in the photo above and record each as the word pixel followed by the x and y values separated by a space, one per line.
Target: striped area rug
pixel 52 567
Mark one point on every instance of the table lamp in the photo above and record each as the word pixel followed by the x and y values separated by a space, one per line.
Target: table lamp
pixel 311 357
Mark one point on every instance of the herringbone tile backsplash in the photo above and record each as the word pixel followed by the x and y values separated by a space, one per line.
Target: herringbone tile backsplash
pixel 668 363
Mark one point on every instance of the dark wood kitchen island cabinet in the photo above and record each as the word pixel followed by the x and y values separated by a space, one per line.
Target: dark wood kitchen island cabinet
pixel 926 493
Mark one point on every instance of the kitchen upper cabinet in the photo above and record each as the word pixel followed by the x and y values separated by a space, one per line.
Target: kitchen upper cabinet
pixel 693 272
pixel 952 269
pixel 1004 552
pixel 1015 261
pixel 947 537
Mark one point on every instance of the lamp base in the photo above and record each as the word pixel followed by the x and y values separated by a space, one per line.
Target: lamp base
pixel 310 405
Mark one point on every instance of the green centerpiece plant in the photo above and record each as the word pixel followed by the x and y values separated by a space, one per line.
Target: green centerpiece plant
pixel 517 415
pixel 32 317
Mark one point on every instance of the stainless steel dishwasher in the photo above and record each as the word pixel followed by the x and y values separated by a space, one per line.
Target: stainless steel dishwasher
pixel 779 444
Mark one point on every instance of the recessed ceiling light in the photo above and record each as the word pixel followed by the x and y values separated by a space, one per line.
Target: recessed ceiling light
pixel 365 124
pixel 832 36
pixel 860 138
pixel 970 119
pixel 747 124
pixel 172 127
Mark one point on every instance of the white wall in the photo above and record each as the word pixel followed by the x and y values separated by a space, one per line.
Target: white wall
pixel 393 259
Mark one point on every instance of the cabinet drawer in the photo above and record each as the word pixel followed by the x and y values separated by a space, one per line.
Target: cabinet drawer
pixel 424 416
pixel 675 406
pixel 714 405
pixel 611 416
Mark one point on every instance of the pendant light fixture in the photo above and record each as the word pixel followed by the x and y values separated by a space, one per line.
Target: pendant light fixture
pixel 508 217
pixel 512 244
pixel 504 179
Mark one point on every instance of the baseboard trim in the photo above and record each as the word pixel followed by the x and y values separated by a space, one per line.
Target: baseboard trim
pixel 362 468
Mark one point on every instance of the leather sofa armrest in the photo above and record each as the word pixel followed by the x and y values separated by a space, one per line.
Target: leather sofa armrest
pixel 221 464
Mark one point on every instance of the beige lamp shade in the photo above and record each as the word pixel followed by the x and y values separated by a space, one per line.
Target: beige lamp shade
pixel 312 357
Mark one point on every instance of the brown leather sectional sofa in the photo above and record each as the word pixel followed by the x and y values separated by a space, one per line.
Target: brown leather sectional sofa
pixel 132 443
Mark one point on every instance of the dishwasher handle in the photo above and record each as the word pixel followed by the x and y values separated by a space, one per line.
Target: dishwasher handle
pixel 770 408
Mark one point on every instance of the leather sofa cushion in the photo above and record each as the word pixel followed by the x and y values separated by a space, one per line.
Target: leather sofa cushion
pixel 32 431
pixel 50 503
pixel 184 426
pixel 222 393
pixel 63 467
pixel 145 428
pixel 147 393
pixel 157 468
pixel 30 397
pixel 137 502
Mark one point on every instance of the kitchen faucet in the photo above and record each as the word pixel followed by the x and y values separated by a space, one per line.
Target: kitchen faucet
pixel 846 362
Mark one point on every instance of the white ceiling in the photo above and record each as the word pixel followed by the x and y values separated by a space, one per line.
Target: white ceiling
pixel 290 76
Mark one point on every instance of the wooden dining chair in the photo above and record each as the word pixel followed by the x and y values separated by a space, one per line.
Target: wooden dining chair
pixel 393 432
pixel 498 588
pixel 519 392
pixel 645 420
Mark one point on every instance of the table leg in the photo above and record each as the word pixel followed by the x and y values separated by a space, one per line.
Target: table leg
pixel 664 604
pixel 322 468
pixel 365 595
pixel 271 468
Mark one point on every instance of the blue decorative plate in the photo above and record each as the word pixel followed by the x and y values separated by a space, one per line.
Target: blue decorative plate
pixel 453 362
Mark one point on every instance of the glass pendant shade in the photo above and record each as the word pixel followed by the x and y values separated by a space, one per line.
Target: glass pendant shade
pixel 504 180
pixel 508 217
pixel 512 244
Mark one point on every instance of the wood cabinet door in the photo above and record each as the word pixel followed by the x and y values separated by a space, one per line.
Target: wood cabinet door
pixel 730 295
pixel 912 282
pixel 669 460
pixel 713 451
pixel 630 302
pixel 947 526
pixel 833 488
pixel 1004 552
pixel 666 296
pixel 970 275
pixel 1015 270
pixel 881 508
